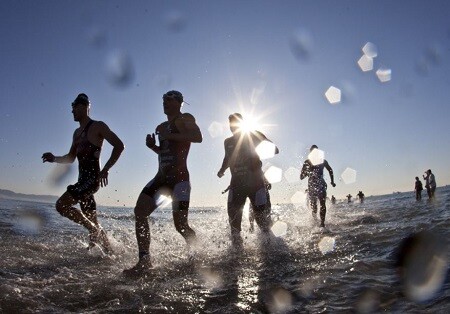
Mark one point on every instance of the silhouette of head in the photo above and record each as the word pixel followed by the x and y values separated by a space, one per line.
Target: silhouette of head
pixel 235 120
pixel 82 99
pixel 313 147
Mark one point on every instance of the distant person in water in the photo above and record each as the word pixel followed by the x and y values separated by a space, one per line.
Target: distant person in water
pixel 333 199
pixel 430 183
pixel 175 137
pixel 418 187
pixel 360 196
pixel 349 198
pixel 86 147
pixel 247 177
pixel 317 187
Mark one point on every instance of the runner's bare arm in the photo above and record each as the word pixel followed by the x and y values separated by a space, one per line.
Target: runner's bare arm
pixel 66 159
pixel 118 147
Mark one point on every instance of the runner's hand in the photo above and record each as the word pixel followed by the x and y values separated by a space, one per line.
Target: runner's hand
pixel 103 178
pixel 150 141
pixel 49 157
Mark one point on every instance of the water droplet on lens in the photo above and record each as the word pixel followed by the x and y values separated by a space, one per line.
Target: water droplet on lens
pixel 423 264
pixel 370 50
pixel 301 43
pixel 349 175
pixel 384 75
pixel 215 129
pixel 333 95
pixel 175 21
pixel 292 175
pixel 120 70
pixel 273 174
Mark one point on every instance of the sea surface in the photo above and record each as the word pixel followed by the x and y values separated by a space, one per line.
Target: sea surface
pixel 355 265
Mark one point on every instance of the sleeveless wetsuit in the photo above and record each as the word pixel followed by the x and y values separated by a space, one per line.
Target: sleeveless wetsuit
pixel 172 173
pixel 88 167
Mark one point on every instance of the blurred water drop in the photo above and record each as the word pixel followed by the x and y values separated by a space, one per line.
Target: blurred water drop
pixel 368 302
pixel 292 175
pixel 163 81
pixel 281 300
pixel 273 174
pixel 279 228
pixel 370 50
pixel 349 175
pixel 175 21
pixel 299 199
pixel 333 95
pixel 97 37
pixel 316 156
pixel 59 174
pixel 365 63
pixel 265 150
pixel 326 245
pixel 384 74
pixel 301 44
pixel 29 222
pixel 119 69
pixel 211 277
pixel 216 129
pixel 433 55
pixel 423 265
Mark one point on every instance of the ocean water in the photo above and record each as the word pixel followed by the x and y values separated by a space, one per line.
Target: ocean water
pixel 351 267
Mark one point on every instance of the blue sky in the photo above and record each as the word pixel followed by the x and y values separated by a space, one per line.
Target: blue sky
pixel 219 54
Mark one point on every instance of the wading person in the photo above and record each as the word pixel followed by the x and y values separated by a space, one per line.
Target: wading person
pixel 247 177
pixel 317 187
pixel 175 137
pixel 86 147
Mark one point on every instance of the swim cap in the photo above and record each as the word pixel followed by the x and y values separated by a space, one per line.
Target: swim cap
pixel 235 117
pixel 81 99
pixel 174 94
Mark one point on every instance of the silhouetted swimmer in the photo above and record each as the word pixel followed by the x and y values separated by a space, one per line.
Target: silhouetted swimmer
pixel 430 183
pixel 349 198
pixel 317 187
pixel 361 196
pixel 175 137
pixel 418 187
pixel 86 147
pixel 247 177
pixel 333 199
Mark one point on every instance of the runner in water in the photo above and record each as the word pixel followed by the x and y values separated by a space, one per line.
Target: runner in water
pixel 247 178
pixel 361 196
pixel 430 183
pixel 175 137
pixel 86 147
pixel 317 187
pixel 418 187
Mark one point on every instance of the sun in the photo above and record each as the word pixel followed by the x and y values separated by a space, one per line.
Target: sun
pixel 248 124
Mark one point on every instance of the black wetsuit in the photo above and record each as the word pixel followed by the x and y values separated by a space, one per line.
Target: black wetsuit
pixel 88 156
pixel 172 173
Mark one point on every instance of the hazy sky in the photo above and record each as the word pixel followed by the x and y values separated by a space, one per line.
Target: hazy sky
pixel 270 59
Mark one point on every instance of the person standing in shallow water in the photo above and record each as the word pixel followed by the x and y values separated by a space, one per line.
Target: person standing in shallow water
pixel 86 147
pixel 361 196
pixel 175 137
pixel 418 187
pixel 317 187
pixel 247 177
pixel 430 183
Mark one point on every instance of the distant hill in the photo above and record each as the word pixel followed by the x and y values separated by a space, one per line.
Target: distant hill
pixel 7 194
